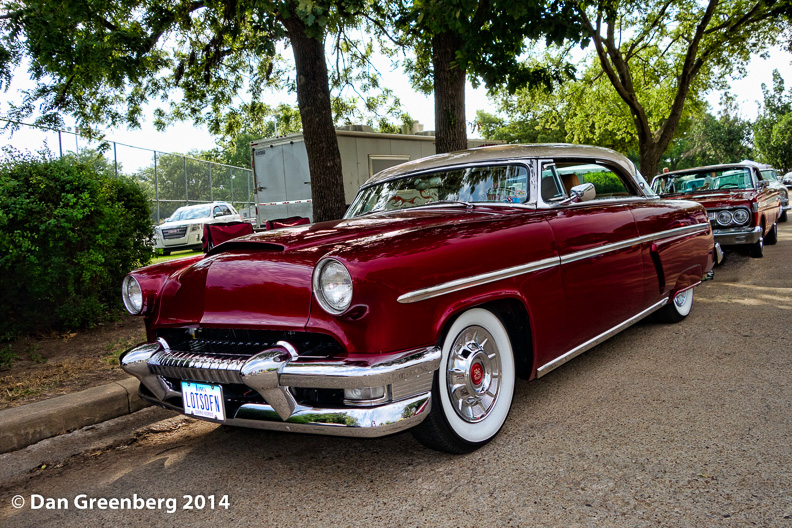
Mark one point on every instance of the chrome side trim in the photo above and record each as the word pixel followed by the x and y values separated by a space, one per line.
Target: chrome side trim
pixel 593 252
pixel 360 422
pixel 591 343
pixel 476 280
pixel 485 278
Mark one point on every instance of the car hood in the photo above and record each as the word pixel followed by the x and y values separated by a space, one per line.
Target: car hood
pixel 718 199
pixel 265 279
pixel 177 223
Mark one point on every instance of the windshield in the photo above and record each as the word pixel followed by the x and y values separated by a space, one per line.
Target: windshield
pixel 710 180
pixel 495 184
pixel 191 213
pixel 769 175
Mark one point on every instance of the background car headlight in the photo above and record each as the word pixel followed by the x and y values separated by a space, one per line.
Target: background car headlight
pixel 332 285
pixel 724 218
pixel 132 295
pixel 741 216
pixel 195 227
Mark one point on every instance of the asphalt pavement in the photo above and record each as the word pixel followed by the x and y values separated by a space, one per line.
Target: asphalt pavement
pixel 663 425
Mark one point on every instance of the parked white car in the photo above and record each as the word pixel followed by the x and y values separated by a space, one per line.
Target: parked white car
pixel 184 228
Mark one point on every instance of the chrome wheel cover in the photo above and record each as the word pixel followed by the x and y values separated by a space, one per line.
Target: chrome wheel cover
pixel 473 374
pixel 681 298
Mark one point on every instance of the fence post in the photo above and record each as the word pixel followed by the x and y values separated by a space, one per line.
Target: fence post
pixel 186 192
pixel 60 143
pixel 156 187
pixel 248 194
pixel 115 158
pixel 211 190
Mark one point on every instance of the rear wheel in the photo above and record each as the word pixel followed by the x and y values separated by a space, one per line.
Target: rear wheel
pixel 677 309
pixel 474 386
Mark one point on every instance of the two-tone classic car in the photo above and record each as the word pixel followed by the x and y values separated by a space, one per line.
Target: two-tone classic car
pixel 448 277
pixel 742 206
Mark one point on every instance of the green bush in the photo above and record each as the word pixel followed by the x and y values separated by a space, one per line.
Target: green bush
pixel 68 236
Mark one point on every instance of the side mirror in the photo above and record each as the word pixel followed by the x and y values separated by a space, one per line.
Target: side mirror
pixel 763 184
pixel 584 192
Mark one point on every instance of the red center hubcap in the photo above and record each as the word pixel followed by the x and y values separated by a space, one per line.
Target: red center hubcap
pixel 476 373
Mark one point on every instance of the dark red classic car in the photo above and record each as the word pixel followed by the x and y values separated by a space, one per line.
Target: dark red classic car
pixel 742 206
pixel 448 278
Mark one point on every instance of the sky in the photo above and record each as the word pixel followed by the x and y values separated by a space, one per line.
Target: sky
pixel 183 137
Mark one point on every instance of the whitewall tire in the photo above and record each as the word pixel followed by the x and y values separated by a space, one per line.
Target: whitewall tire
pixel 474 386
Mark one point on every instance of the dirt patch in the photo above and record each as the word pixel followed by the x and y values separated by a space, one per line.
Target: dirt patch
pixel 42 368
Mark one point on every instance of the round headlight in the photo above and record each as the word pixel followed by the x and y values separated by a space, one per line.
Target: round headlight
pixel 724 218
pixel 332 285
pixel 741 216
pixel 132 295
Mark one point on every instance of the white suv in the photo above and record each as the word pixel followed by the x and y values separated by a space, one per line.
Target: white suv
pixel 184 229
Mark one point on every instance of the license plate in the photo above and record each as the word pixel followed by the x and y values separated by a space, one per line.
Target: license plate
pixel 712 215
pixel 203 400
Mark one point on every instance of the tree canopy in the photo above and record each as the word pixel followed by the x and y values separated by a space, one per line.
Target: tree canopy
pixel 773 128
pixel 687 47
pixel 102 60
pixel 483 39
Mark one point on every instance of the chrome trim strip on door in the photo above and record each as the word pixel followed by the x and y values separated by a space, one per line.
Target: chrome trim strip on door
pixel 484 278
pixel 476 280
pixel 591 343
pixel 594 252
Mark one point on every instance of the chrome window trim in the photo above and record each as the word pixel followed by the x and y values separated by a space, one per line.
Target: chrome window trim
pixel 492 276
pixel 594 341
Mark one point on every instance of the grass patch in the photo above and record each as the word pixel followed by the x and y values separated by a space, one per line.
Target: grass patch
pixel 178 254
pixel 53 379
pixel 118 347
pixel 7 356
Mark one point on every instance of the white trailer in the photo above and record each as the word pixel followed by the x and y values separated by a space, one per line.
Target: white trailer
pixel 283 182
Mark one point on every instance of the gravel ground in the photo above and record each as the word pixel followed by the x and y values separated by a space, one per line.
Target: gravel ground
pixel 680 425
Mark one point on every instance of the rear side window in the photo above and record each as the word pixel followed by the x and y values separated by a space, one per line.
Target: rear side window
pixel 609 183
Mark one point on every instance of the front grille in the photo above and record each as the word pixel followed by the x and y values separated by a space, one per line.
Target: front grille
pixel 245 343
pixel 174 232
pixel 221 368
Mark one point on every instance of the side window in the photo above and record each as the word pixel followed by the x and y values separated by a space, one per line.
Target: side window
pixel 609 182
pixel 550 185
pixel 225 210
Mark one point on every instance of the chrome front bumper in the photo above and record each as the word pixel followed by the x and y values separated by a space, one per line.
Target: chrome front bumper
pixel 737 236
pixel 272 372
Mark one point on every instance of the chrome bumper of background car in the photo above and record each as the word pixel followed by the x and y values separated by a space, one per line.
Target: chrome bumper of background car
pixel 407 377
pixel 738 235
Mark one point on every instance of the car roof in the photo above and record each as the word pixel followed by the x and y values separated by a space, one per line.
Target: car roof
pixel 203 205
pixel 498 153
pixel 724 166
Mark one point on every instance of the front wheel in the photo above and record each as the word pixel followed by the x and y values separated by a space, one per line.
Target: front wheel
pixel 772 236
pixel 783 217
pixel 677 309
pixel 474 386
pixel 757 249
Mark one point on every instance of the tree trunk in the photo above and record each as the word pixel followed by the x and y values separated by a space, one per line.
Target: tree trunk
pixel 321 143
pixel 449 95
pixel 650 154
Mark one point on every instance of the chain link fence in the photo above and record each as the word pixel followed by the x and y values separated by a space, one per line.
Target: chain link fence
pixel 169 180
